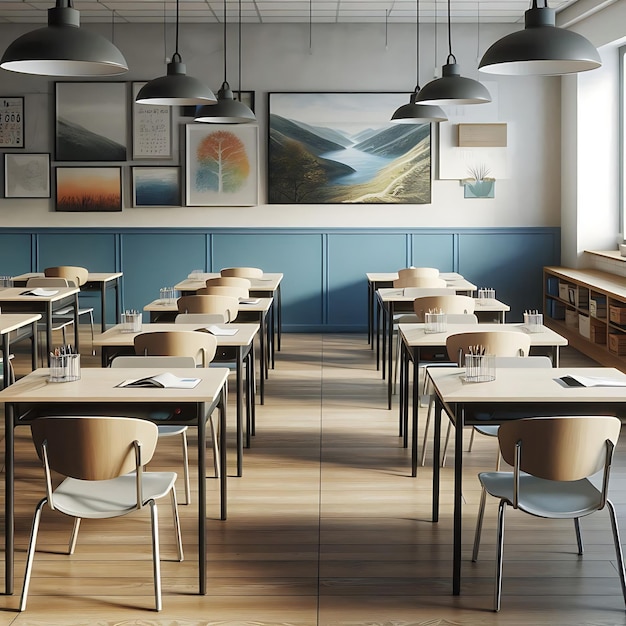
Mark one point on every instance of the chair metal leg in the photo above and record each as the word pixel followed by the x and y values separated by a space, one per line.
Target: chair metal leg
pixel 445 444
pixel 479 525
pixel 74 535
pixel 93 349
pixel 579 537
pixel 216 451
pixel 31 553
pixel 500 549
pixel 471 441
pixel 176 518
pixel 156 557
pixel 431 406
pixel 186 467
pixel 618 547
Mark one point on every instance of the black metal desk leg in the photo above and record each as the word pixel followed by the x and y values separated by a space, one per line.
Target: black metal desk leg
pixel 458 501
pixel 103 306
pixel 9 498
pixel 436 455
pixel 223 455
pixel 202 499
pixel 279 317
pixel 415 410
pixel 239 416
pixel 6 362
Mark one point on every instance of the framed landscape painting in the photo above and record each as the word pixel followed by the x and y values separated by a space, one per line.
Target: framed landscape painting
pixel 91 121
pixel 88 189
pixel 221 165
pixel 342 148
pixel 156 186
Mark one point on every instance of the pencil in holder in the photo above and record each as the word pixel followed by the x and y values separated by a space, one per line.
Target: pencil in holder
pixel 131 322
pixel 480 368
pixel 64 368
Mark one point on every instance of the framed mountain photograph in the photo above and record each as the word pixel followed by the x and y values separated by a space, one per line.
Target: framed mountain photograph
pixel 334 148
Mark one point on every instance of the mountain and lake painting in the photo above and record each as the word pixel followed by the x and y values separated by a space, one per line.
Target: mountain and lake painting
pixel 341 148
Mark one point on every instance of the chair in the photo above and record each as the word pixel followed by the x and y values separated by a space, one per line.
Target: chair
pixel 73 274
pixel 420 281
pixel 224 290
pixel 62 318
pixel 229 281
pixel 242 272
pixel 552 459
pixel 500 343
pixel 174 430
pixel 225 305
pixel 102 461
pixel 200 346
pixel 428 272
pixel 200 318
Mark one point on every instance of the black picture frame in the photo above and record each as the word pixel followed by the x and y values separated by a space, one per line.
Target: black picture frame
pixel 88 189
pixel 12 122
pixel 27 175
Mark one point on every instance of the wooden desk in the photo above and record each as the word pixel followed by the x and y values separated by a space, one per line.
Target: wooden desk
pixel 96 281
pixel 269 285
pixel 413 339
pixel 96 393
pixel 381 280
pixel 163 312
pixel 515 393
pixel 13 300
pixel 237 349
pixel 18 322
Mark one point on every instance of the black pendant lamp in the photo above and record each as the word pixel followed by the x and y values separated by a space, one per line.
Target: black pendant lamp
pixel 414 113
pixel 227 110
pixel 452 88
pixel 176 88
pixel 540 49
pixel 63 49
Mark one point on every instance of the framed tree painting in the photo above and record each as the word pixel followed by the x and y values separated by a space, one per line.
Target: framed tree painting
pixel 156 186
pixel 88 189
pixel 221 165
pixel 91 121
pixel 26 175
pixel 341 148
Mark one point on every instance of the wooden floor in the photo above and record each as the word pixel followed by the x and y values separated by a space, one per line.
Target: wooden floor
pixel 326 527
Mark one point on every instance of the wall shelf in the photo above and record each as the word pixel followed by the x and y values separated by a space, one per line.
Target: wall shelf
pixel 588 307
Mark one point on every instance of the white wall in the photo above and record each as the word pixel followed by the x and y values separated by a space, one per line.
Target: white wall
pixel 344 57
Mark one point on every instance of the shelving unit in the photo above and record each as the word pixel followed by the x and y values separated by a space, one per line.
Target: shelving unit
pixel 588 307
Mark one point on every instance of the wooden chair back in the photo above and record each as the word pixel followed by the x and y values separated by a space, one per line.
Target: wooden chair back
pixel 200 346
pixel 200 318
pixel 559 448
pixel 242 272
pixel 228 281
pixel 446 303
pixel 223 290
pixel 73 273
pixel 496 342
pixel 226 305
pixel 153 361
pixel 420 281
pixel 426 272
pixel 93 447
pixel 47 282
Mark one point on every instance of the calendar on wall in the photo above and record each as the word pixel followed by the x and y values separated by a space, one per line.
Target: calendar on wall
pixel 11 122
pixel 152 129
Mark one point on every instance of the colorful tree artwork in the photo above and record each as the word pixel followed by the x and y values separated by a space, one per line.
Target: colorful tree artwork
pixel 221 165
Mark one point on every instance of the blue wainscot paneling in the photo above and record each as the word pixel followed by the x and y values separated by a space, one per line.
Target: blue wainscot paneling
pixel 324 287
pixel 298 255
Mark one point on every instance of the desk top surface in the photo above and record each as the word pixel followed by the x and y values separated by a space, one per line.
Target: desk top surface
pixel 525 385
pixel 93 277
pixel 386 277
pixel 263 305
pixel 269 282
pixel 13 321
pixel 18 294
pixel 480 304
pixel 116 336
pixel 414 335
pixel 99 385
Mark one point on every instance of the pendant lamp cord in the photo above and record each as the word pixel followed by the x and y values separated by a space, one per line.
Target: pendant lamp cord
pixel 176 56
pixel 417 45
pixel 224 40
pixel 451 57
pixel 239 54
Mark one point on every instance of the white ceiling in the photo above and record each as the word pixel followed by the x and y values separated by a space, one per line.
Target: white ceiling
pixel 274 11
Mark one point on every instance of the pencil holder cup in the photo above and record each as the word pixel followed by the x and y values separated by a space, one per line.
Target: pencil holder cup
pixel 64 368
pixel 480 368
pixel 6 281
pixel 435 323
pixel 131 322
pixel 486 294
pixel 167 295
pixel 533 322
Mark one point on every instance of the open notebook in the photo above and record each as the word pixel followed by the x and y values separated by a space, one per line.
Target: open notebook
pixel 575 380
pixel 166 380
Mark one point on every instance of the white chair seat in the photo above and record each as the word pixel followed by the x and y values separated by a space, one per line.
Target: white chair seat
pixel 544 498
pixel 109 498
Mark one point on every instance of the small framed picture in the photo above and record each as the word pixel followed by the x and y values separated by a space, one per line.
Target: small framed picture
pixel 12 122
pixel 156 186
pixel 152 129
pixel 26 175
pixel 88 189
